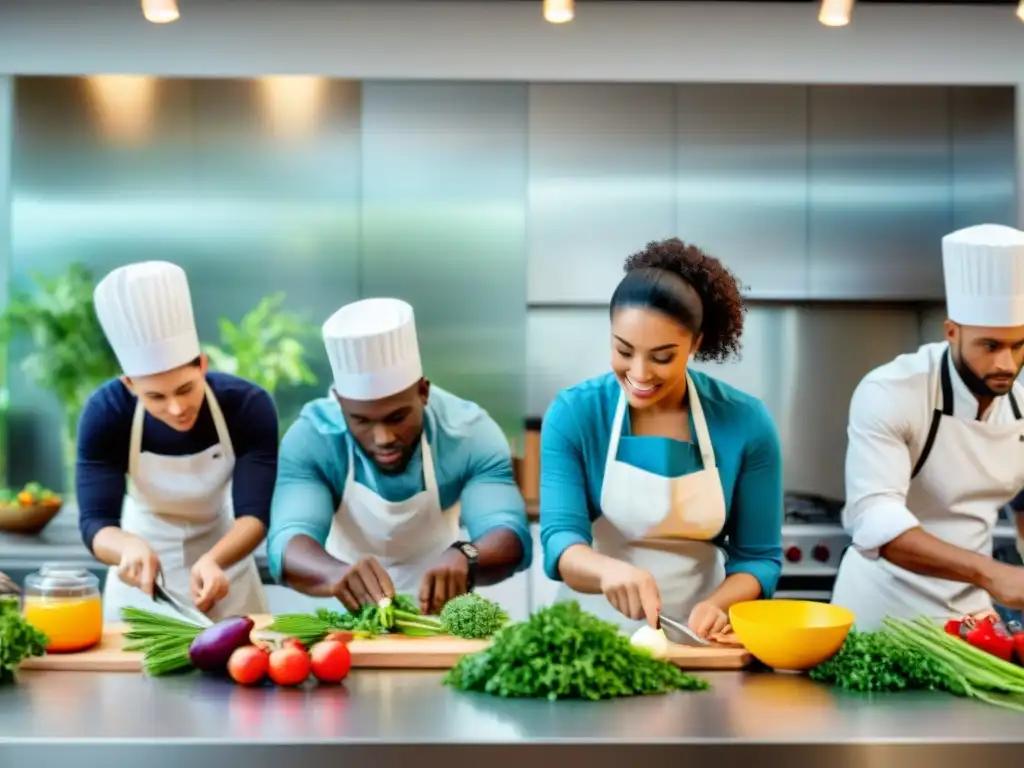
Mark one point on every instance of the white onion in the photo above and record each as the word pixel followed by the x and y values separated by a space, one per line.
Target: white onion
pixel 652 639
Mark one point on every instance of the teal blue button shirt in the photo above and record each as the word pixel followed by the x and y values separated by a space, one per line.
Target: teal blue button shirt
pixel 472 463
pixel 574 444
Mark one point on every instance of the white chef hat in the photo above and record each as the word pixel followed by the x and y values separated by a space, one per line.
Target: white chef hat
pixel 373 348
pixel 145 310
pixel 984 271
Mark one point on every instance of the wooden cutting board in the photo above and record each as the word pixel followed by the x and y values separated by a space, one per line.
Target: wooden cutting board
pixel 396 652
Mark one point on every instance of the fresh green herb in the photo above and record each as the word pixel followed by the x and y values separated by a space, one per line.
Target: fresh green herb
pixel 879 661
pixel 920 655
pixel 164 641
pixel 468 616
pixel 370 619
pixel 562 652
pixel 19 640
pixel 472 617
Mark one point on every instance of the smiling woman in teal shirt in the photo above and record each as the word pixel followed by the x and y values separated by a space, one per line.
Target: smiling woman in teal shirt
pixel 661 488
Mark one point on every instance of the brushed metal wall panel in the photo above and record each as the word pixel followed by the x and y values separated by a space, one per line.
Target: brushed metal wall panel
pixel 113 171
pixel 277 168
pixel 6 127
pixel 741 174
pixel 798 361
pixel 444 227
pixel 601 184
pixel 984 157
pixel 880 191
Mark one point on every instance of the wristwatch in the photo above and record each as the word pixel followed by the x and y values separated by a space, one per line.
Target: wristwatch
pixel 472 554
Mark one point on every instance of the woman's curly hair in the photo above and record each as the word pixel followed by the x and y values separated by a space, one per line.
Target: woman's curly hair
pixel 715 284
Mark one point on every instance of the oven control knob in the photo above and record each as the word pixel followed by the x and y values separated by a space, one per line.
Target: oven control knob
pixel 794 555
pixel 821 553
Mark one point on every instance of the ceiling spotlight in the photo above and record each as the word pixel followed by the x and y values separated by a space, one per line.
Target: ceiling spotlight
pixel 160 11
pixel 835 13
pixel 559 11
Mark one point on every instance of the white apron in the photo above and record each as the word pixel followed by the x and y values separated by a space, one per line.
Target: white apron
pixel 181 506
pixel 405 537
pixel 966 473
pixel 661 524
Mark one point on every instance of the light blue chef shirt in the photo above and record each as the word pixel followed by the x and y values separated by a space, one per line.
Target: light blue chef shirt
pixel 575 435
pixel 472 463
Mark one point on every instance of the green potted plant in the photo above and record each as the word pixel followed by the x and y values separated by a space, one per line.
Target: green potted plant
pixel 265 347
pixel 70 356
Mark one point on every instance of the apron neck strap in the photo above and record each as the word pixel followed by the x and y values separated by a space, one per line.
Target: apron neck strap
pixel 700 427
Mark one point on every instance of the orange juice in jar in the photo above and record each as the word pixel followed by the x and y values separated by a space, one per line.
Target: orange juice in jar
pixel 64 603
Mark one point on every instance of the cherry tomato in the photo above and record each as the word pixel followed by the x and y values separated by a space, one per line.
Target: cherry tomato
pixel 291 642
pixel 248 665
pixel 330 661
pixel 289 666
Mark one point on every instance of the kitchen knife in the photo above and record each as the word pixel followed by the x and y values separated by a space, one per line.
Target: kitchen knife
pixel 161 595
pixel 679 633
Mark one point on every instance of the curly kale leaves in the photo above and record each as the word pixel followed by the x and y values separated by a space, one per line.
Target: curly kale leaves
pixel 472 617
pixel 562 652
pixel 879 661
pixel 19 640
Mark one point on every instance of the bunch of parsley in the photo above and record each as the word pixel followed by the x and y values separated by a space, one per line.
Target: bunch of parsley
pixel 880 661
pixel 18 639
pixel 562 652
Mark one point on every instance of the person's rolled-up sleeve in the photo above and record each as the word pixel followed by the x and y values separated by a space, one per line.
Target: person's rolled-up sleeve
pixel 878 467
pixel 303 502
pixel 490 498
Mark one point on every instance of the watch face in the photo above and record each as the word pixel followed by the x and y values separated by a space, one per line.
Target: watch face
pixel 470 551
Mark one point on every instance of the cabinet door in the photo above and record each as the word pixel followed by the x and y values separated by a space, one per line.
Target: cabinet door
pixel 880 191
pixel 741 181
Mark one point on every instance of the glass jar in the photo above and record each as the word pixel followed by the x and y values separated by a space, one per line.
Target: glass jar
pixel 64 602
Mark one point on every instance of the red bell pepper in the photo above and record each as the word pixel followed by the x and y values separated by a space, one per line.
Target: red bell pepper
pixel 953 627
pixel 988 636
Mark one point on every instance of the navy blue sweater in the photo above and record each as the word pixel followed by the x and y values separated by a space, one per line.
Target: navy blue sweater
pixel 104 437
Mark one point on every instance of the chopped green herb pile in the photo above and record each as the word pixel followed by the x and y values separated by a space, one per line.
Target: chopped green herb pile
pixel 163 640
pixel 19 640
pixel 879 661
pixel 468 616
pixel 920 655
pixel 472 617
pixel 562 652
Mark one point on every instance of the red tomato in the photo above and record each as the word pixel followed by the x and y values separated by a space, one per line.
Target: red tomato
pixel 330 661
pixel 292 642
pixel 289 666
pixel 248 664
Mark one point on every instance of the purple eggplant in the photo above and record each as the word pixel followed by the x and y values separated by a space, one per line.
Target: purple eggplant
pixel 212 647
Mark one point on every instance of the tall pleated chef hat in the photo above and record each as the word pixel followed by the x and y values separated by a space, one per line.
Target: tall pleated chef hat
pixel 984 272
pixel 145 310
pixel 373 348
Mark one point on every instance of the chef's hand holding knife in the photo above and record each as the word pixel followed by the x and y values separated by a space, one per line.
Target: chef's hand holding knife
pixel 139 565
pixel 632 591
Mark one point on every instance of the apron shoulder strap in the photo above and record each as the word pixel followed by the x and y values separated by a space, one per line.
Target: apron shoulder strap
pixel 945 409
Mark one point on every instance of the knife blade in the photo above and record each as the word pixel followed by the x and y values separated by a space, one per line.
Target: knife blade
pixel 679 633
pixel 161 595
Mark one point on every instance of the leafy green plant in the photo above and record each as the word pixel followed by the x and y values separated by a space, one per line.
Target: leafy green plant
pixel 70 355
pixel 265 346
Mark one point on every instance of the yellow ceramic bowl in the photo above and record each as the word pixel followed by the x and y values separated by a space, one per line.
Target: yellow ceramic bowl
pixel 790 635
